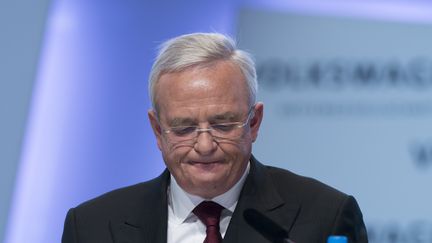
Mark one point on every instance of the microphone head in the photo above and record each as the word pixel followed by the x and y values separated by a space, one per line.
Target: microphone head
pixel 264 225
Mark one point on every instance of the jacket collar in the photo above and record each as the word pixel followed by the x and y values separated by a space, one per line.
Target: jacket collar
pixel 147 220
pixel 259 193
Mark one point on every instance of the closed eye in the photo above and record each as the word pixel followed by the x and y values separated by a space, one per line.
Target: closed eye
pixel 182 131
pixel 225 127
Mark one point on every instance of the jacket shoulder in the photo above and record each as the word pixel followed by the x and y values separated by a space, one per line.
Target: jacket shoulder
pixel 98 219
pixel 120 201
pixel 323 208
pixel 304 187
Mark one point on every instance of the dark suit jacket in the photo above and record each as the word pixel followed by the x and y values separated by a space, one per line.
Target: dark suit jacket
pixel 309 210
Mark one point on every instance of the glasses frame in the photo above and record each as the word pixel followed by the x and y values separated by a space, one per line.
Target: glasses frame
pixel 198 130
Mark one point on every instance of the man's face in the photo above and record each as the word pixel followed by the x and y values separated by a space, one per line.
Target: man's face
pixel 203 97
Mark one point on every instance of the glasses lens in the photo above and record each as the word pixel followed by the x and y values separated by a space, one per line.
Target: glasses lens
pixel 183 132
pixel 187 135
pixel 227 130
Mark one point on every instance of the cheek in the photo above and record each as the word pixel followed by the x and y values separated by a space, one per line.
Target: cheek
pixel 237 151
pixel 174 156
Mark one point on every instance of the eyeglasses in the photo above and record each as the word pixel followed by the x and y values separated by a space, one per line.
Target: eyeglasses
pixel 187 135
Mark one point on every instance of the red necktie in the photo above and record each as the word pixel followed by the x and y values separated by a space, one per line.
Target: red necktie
pixel 209 213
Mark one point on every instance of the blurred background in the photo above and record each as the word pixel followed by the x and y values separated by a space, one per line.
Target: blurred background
pixel 347 88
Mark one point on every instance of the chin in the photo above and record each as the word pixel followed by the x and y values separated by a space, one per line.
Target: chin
pixel 209 181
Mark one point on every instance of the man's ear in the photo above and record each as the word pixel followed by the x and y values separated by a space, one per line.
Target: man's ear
pixel 256 120
pixel 156 127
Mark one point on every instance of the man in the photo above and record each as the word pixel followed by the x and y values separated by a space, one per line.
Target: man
pixel 205 118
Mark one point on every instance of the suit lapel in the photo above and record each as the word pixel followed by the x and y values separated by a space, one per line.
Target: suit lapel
pixel 259 193
pixel 147 219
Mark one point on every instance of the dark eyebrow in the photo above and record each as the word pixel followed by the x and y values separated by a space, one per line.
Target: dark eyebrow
pixel 186 121
pixel 179 121
pixel 225 117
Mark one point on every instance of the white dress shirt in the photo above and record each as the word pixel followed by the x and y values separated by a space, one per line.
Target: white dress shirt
pixel 183 225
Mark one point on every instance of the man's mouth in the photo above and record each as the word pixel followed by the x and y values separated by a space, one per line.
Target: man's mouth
pixel 204 162
pixel 205 165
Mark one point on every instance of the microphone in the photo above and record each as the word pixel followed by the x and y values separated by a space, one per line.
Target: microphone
pixel 265 226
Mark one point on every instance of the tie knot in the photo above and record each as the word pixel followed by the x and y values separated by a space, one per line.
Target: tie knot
pixel 209 213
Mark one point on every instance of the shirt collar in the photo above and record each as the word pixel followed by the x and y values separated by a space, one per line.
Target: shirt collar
pixel 182 203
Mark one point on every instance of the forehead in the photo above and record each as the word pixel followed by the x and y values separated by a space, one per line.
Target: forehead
pixel 219 88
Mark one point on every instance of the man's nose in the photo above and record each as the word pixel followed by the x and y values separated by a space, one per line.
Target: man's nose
pixel 205 143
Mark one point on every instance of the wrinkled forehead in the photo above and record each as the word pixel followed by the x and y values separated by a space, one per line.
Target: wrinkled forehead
pixel 221 84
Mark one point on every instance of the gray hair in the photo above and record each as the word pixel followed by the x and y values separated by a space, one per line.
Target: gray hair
pixel 201 50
